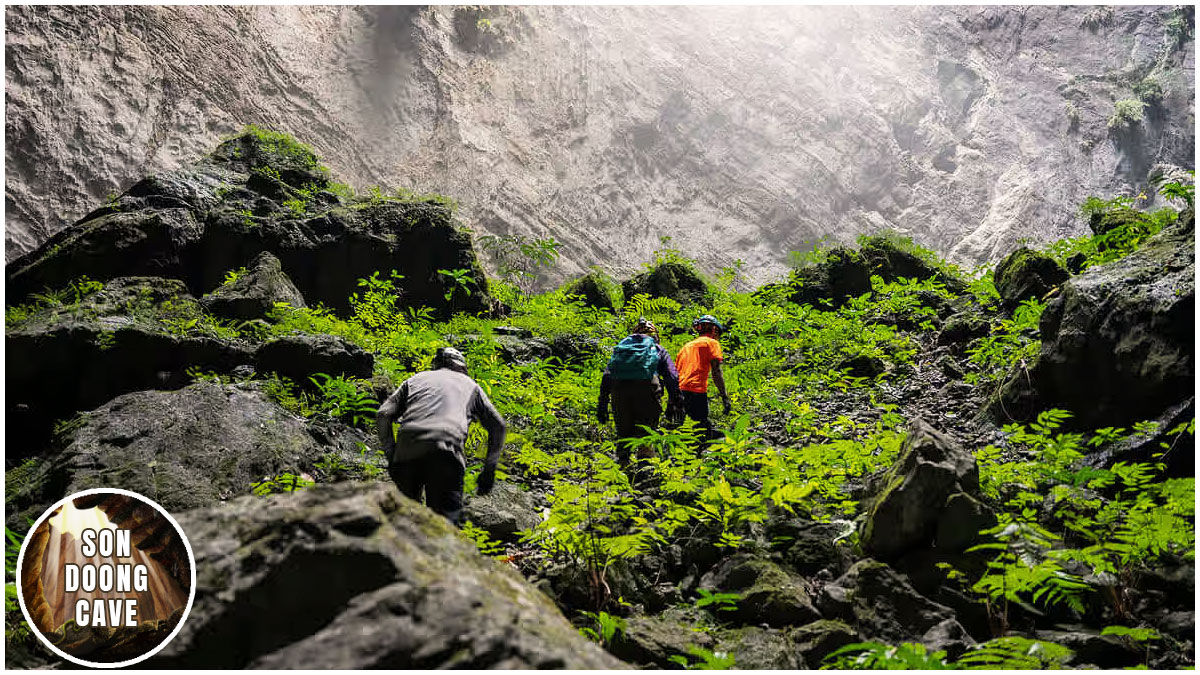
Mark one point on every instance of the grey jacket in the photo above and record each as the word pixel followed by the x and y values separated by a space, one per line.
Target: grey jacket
pixel 435 409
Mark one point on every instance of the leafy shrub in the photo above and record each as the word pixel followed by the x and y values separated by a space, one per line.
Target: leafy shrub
pixel 1126 113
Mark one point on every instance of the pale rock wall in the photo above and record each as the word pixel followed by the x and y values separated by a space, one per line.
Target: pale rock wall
pixel 739 132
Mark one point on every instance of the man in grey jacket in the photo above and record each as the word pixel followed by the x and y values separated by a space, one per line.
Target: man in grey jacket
pixel 435 409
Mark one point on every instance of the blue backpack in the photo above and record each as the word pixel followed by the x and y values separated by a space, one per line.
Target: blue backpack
pixel 634 358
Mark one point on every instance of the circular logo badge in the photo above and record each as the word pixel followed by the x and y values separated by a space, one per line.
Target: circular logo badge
pixel 106 578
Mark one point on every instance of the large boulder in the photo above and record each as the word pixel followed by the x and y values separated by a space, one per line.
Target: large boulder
pixel 184 449
pixel 905 514
pixel 355 575
pixel 770 594
pixel 673 280
pixel 259 193
pixel 842 274
pixel 653 640
pixel 131 334
pixel 893 256
pixel 1026 274
pixel 300 356
pixel 1118 342
pixel 880 604
pixel 596 289
pixel 504 512
pixel 254 294
pixel 755 648
pixel 814 641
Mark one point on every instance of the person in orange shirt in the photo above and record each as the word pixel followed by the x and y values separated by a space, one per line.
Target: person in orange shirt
pixel 694 362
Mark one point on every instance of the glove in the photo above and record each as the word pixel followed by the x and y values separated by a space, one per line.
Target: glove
pixel 487 479
pixel 728 407
pixel 602 414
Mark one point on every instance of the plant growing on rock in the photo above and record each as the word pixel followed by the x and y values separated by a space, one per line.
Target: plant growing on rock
pixel 1126 113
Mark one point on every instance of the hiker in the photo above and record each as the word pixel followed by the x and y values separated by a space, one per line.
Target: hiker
pixel 635 377
pixel 435 408
pixel 695 360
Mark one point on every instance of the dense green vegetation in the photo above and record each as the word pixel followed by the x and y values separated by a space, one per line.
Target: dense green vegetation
pixel 814 418
pixel 780 454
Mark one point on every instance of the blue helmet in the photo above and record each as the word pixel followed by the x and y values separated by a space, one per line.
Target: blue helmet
pixel 708 319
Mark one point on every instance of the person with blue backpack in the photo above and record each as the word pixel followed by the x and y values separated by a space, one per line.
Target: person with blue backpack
pixel 638 371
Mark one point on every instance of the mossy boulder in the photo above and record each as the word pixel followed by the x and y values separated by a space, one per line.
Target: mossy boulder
pixel 841 274
pixel 770 594
pixel 891 257
pixel 1107 220
pixel 810 547
pixel 653 640
pixel 355 575
pixel 674 280
pixel 814 641
pixel 880 604
pixel 254 294
pixel 905 514
pixel 1118 341
pixel 504 512
pixel 254 195
pixel 1026 274
pixel 755 648
pixel 596 288
pixel 184 449
pixel 963 327
pixel 132 333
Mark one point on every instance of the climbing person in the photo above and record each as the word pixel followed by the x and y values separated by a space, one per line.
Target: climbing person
pixel 695 360
pixel 435 409
pixel 638 371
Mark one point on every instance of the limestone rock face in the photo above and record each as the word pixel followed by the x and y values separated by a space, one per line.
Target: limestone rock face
pixel 1118 343
pixel 609 127
pixel 127 336
pixel 299 356
pixel 355 575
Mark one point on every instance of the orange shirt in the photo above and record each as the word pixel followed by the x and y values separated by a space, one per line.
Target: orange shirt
pixel 694 362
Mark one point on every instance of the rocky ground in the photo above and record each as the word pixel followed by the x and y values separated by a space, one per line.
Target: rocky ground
pixel 173 341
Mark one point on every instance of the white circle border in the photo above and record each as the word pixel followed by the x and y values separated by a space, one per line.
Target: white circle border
pixel 191 593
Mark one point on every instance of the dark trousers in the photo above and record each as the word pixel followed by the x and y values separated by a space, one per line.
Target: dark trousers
pixel 440 475
pixel 634 403
pixel 695 406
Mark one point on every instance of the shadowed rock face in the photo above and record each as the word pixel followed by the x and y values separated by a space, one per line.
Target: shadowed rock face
pixel 743 133
pixel 184 449
pixel 1118 342
pixel 356 576
pixel 254 194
